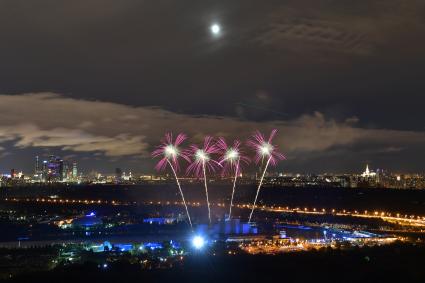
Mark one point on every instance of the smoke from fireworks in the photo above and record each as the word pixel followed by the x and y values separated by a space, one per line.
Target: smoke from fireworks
pixel 264 149
pixel 231 157
pixel 202 162
pixel 170 152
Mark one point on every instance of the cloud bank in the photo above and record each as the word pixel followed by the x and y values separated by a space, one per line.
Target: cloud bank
pixel 113 130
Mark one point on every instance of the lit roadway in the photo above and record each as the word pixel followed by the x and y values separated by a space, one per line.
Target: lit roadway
pixel 411 220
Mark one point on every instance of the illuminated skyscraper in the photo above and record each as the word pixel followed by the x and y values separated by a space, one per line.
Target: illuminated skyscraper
pixel 74 171
pixel 37 170
pixel 65 170
pixel 367 173
pixel 53 169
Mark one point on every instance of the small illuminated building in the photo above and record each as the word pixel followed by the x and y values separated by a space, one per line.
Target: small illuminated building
pixel 108 246
pixel 160 220
pixel 87 221
pixel 228 227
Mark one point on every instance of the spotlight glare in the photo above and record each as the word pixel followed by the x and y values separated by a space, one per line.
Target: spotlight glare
pixel 198 242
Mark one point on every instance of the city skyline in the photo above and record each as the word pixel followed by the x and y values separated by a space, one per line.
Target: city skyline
pixel 251 169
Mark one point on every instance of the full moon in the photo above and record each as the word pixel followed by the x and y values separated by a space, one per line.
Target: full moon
pixel 215 29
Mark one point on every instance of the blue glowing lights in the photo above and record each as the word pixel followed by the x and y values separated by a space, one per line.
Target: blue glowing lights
pixel 198 242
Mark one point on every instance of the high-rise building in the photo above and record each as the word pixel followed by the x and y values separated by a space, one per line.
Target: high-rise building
pixel 65 170
pixel 12 173
pixel 118 175
pixel 53 169
pixel 44 171
pixel 74 171
pixel 37 170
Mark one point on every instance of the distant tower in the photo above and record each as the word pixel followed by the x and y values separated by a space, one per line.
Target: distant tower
pixel 61 169
pixel 65 170
pixel 37 166
pixel 45 171
pixel 118 175
pixel 74 170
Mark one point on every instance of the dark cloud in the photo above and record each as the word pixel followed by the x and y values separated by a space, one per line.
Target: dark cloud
pixel 358 63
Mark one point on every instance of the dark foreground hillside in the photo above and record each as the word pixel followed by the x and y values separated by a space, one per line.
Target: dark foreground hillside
pixel 395 263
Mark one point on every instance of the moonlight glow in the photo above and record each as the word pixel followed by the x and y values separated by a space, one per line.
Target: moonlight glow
pixel 215 29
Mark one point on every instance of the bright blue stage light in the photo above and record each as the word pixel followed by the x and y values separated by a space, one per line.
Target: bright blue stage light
pixel 198 242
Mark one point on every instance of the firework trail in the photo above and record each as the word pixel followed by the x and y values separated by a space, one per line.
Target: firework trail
pixel 170 152
pixel 202 162
pixel 264 149
pixel 230 159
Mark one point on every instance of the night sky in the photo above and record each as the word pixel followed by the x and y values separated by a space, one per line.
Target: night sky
pixel 100 81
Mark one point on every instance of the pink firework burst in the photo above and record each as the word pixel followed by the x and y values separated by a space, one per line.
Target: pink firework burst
pixel 170 152
pixel 202 162
pixel 264 148
pixel 231 156
pixel 202 157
